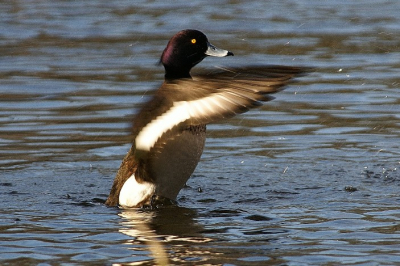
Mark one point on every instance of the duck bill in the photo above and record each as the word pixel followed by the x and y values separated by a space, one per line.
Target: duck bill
pixel 214 51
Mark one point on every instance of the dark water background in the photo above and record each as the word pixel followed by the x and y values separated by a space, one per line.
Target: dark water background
pixel 308 179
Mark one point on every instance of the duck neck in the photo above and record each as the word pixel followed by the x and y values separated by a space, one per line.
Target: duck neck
pixel 171 74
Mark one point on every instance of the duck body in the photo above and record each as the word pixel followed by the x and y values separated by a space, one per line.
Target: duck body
pixel 169 131
pixel 169 170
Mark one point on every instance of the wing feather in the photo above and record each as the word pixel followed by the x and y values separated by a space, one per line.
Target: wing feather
pixel 207 98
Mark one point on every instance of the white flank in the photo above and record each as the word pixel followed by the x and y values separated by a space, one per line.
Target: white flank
pixel 133 193
pixel 179 112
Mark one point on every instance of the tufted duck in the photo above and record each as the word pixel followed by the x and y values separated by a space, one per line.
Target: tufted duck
pixel 170 130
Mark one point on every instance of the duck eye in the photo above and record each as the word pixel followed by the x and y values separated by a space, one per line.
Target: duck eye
pixel 193 41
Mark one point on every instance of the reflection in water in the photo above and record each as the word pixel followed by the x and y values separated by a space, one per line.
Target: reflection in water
pixel 138 224
pixel 159 229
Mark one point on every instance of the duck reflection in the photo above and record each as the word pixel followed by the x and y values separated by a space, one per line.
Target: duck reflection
pixel 164 232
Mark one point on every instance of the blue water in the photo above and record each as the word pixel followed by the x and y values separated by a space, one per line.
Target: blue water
pixel 308 179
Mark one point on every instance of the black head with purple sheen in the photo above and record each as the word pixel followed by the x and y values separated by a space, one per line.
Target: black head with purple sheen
pixel 186 49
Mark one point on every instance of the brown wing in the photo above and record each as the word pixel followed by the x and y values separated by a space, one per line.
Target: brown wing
pixel 207 98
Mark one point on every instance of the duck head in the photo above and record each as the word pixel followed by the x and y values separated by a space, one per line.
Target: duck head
pixel 186 49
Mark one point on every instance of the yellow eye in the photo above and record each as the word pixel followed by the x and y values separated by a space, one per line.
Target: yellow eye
pixel 193 41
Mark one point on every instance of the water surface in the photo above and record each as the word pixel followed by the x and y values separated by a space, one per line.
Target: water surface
pixel 308 179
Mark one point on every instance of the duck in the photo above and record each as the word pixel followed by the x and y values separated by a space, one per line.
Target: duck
pixel 169 131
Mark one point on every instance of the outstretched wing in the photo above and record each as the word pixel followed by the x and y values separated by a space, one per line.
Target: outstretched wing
pixel 206 98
